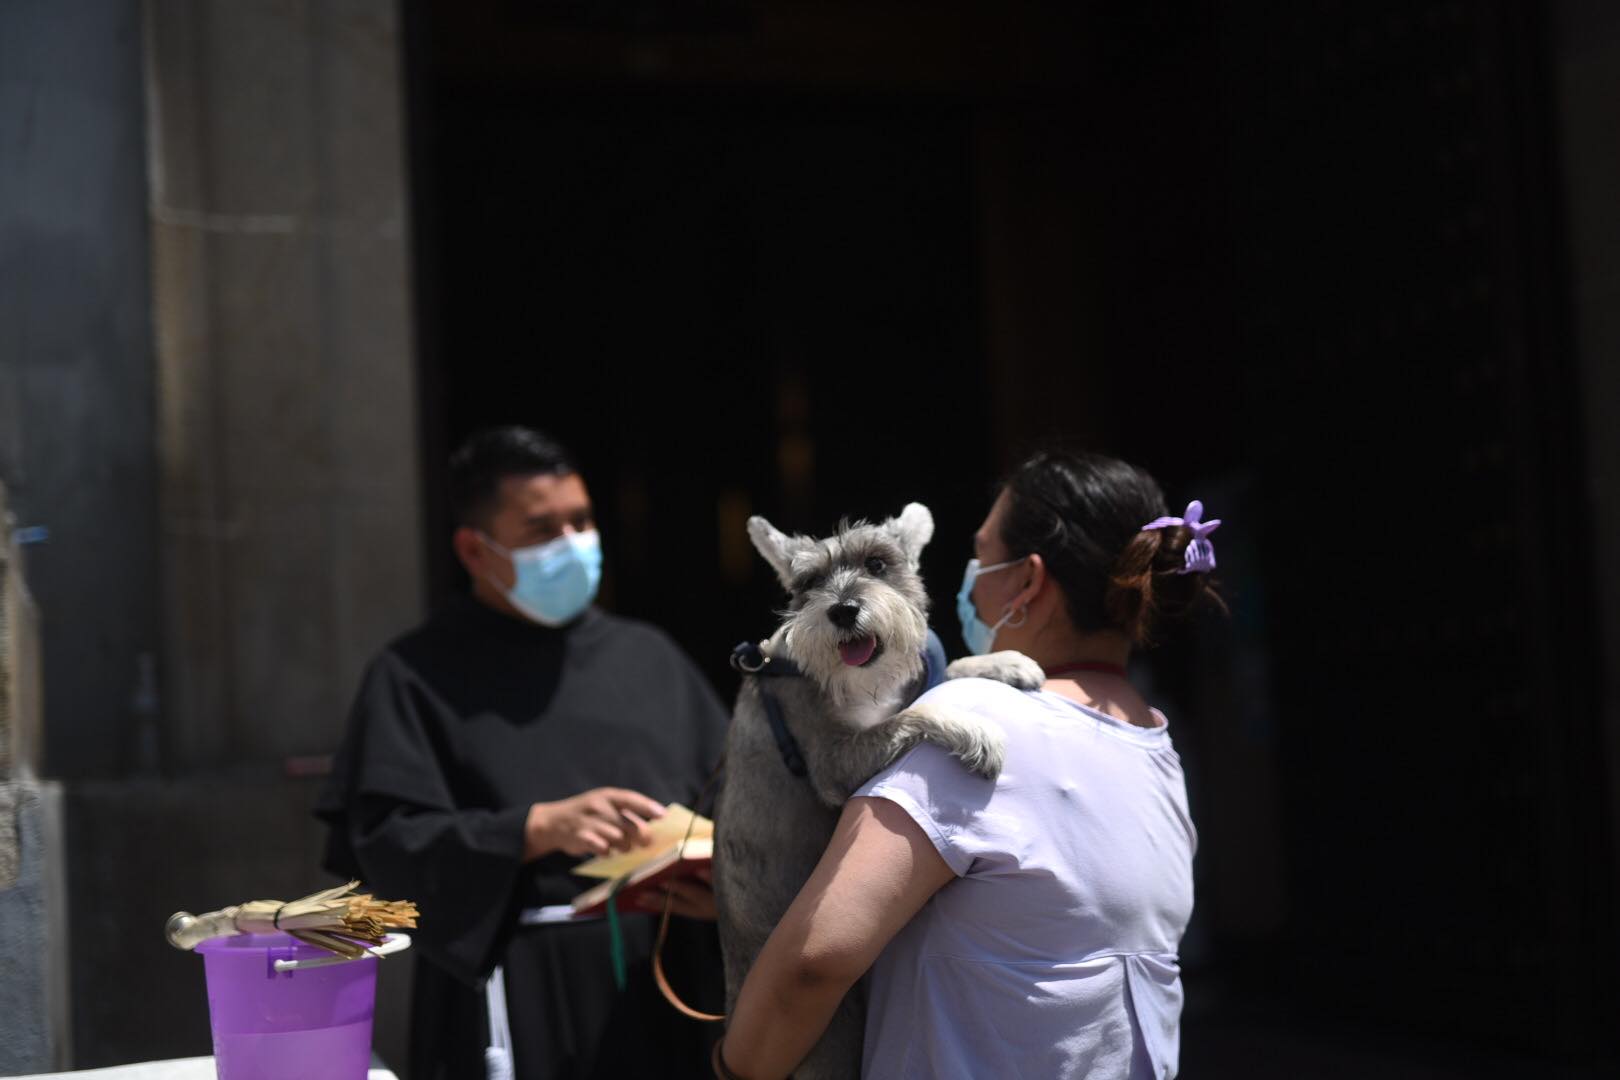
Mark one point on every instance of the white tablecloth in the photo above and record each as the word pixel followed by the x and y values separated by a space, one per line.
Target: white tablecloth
pixel 197 1068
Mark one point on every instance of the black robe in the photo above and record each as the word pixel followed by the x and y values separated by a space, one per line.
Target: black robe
pixel 458 728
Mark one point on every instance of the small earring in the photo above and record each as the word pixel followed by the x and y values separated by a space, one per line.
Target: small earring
pixel 1023 617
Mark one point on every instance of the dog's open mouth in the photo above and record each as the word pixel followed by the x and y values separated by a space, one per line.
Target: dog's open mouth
pixel 860 652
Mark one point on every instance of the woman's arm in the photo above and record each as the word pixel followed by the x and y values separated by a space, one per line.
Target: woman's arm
pixel 879 869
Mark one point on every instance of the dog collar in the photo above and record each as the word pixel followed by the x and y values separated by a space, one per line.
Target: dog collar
pixel 749 659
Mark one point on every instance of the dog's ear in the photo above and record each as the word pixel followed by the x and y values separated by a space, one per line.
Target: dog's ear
pixel 913 528
pixel 777 547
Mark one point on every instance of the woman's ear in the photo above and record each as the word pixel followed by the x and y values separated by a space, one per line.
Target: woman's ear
pixel 1035 579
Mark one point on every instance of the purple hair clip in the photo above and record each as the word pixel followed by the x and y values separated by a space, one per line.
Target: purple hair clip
pixel 1200 552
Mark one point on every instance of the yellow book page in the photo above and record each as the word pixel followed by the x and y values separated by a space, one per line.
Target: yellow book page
pixel 667 831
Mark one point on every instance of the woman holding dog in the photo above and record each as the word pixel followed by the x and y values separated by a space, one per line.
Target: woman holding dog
pixel 1026 926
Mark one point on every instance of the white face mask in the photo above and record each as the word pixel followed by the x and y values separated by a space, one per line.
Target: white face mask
pixel 555 581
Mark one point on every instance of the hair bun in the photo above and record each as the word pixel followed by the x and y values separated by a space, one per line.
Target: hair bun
pixel 1151 580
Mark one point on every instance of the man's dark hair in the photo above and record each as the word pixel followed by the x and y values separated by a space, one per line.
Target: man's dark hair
pixel 489 456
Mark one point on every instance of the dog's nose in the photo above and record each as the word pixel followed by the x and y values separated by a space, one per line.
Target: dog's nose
pixel 843 616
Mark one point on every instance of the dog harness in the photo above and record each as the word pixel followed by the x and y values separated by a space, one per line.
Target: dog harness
pixel 749 659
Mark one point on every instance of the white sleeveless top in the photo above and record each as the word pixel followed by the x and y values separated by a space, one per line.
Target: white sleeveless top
pixel 1053 954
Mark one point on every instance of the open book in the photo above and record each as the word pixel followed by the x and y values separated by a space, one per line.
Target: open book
pixel 682 842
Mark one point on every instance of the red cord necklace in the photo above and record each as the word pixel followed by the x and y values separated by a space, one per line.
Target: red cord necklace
pixel 1087 665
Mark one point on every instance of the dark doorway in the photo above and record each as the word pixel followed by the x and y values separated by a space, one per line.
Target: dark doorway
pixel 1301 261
pixel 726 305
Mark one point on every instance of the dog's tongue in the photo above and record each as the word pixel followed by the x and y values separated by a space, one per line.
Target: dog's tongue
pixel 856 653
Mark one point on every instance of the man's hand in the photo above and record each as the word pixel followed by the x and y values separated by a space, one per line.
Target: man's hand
pixel 690 896
pixel 593 823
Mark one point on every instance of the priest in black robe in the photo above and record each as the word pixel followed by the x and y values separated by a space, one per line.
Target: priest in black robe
pixel 493 747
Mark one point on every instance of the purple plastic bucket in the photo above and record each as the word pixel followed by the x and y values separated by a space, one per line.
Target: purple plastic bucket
pixel 313 1023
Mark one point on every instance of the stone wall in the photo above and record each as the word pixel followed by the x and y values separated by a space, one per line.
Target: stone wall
pixel 207 395
pixel 75 361
pixel 287 431
pixel 34 1034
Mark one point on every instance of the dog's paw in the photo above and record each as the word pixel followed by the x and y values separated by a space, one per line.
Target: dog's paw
pixel 1013 668
pixel 978 744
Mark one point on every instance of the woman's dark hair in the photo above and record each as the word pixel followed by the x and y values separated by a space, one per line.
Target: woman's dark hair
pixel 1083 515
pixel 489 456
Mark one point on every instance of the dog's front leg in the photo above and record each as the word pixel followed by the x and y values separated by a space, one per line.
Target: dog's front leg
pixel 978 743
pixel 1008 666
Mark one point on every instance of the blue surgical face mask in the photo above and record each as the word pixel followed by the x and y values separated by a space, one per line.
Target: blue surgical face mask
pixel 975 631
pixel 557 580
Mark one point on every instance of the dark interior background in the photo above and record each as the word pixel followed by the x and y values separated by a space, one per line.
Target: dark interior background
pixel 1304 261
pixel 724 307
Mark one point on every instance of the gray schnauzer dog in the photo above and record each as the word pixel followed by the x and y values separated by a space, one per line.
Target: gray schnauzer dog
pixel 852 642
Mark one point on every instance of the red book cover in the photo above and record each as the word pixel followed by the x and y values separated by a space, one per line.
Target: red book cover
pixel 647 878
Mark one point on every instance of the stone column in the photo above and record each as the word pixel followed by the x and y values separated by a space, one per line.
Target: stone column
pixel 287 428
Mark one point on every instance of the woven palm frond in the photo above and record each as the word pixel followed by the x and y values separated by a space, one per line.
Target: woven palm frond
pixel 337 919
